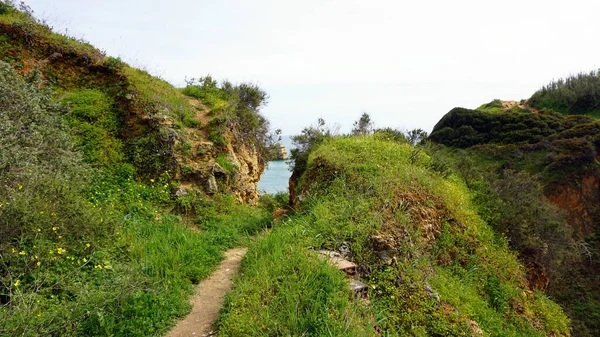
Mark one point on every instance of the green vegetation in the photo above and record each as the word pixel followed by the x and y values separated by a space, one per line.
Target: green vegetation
pixel 98 237
pixel 464 128
pixel 576 94
pixel 86 249
pixel 514 161
pixel 234 107
pixel 363 126
pixel 556 146
pixel 373 195
pixel 510 185
pixel 95 125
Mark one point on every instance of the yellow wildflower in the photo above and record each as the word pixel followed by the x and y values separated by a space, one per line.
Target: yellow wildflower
pixel 54 228
pixel 22 252
pixel 61 250
pixel 39 263
pixel 17 282
pixel 87 245
pixel 84 260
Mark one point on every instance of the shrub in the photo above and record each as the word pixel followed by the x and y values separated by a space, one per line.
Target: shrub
pixel 236 108
pixel 577 94
pixel 217 138
pixel 465 128
pixel 395 135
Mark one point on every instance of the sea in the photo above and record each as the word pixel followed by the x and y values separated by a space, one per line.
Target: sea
pixel 277 174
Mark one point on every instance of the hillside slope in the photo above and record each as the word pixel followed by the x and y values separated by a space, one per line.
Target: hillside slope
pixel 118 192
pixel 536 174
pixel 122 114
pixel 433 267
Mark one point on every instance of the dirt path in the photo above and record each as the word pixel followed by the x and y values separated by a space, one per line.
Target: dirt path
pixel 209 297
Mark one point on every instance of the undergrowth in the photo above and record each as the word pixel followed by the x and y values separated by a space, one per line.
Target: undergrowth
pixel 85 248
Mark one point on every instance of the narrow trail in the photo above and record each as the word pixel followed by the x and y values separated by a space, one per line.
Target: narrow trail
pixel 209 297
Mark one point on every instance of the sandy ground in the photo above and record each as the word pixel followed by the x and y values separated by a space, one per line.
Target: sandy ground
pixel 209 298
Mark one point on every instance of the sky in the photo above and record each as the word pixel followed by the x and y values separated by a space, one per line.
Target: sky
pixel 405 63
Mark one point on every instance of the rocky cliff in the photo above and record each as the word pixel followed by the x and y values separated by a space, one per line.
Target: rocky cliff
pixel 159 130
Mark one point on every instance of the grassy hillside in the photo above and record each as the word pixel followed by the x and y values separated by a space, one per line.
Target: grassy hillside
pixel 446 272
pixel 97 237
pixel 535 177
pixel 122 114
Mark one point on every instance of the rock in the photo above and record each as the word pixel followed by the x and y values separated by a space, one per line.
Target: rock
pixel 385 257
pixel 344 249
pixel 204 148
pixel 342 264
pixel 181 191
pixel 475 327
pixel 281 153
pixel 55 56
pixel 358 287
pixel 430 292
pixel 216 168
pixel 211 185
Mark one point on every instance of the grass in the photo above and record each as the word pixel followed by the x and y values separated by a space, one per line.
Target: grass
pixel 135 281
pixel 85 247
pixel 286 291
pixel 358 188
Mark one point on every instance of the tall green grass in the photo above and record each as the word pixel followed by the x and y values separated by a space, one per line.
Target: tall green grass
pixel 356 187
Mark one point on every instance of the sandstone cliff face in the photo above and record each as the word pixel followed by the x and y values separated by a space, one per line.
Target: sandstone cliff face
pixel 580 201
pixel 249 170
pixel 200 165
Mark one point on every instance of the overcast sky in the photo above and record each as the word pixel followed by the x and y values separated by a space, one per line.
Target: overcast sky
pixel 406 63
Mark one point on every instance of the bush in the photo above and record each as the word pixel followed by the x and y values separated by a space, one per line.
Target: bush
pixel 217 138
pixel 465 128
pixel 237 109
pixel 274 201
pixel 577 94
pixel 514 204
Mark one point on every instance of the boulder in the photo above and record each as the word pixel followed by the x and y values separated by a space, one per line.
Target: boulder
pixel 211 185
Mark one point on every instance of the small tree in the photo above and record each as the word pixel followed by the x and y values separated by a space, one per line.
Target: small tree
pixel 306 142
pixel 415 136
pixel 363 126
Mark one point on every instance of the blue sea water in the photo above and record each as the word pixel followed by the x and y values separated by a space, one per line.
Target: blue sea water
pixel 276 175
